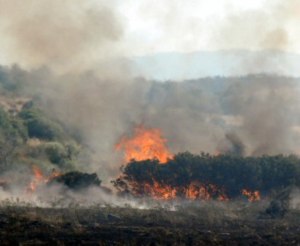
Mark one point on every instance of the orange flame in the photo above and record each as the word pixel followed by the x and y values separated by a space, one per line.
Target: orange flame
pixel 38 174
pixel 148 143
pixel 145 144
pixel 39 179
pixel 195 191
pixel 251 195
pixel 160 192
pixel 205 192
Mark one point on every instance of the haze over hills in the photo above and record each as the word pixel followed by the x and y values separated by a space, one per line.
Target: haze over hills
pixel 181 66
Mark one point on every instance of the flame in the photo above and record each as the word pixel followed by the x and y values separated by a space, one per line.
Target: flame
pixel 194 191
pixel 251 195
pixel 145 144
pixel 217 153
pixel 160 192
pixel 148 143
pixel 39 178
pixel 54 174
pixel 200 191
pixel 38 175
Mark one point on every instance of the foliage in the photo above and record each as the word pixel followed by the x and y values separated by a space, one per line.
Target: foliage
pixel 60 154
pixel 40 126
pixel 31 136
pixel 12 134
pixel 230 172
pixel 77 180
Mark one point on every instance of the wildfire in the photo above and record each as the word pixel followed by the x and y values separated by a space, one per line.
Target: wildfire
pixel 194 191
pixel 145 144
pixel 39 178
pixel 148 143
pixel 160 192
pixel 205 192
pixel 251 195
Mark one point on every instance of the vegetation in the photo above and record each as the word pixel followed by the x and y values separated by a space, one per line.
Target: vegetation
pixel 40 126
pixel 232 173
pixel 29 136
pixel 77 180
pixel 12 135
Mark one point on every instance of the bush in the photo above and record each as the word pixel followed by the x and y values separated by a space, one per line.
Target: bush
pixel 12 135
pixel 55 152
pixel 230 173
pixel 60 154
pixel 39 126
pixel 77 180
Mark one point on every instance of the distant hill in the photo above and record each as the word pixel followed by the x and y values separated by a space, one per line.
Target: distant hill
pixel 181 66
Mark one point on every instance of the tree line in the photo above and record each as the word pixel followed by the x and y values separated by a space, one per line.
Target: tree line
pixel 230 173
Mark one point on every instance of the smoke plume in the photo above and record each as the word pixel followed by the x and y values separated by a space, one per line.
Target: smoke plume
pixel 63 35
pixel 83 86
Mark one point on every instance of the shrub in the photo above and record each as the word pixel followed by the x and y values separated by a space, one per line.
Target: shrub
pixel 39 126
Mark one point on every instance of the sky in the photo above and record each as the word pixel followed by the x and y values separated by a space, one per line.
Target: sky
pixel 159 26
pixel 185 26
pixel 38 32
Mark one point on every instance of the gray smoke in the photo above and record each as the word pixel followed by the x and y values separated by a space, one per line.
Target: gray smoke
pixel 96 96
pixel 268 28
pixel 251 115
pixel 63 35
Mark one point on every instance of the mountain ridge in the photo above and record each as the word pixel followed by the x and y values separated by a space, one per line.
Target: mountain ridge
pixel 182 66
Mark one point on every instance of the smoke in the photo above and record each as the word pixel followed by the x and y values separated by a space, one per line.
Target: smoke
pixel 249 115
pixel 295 198
pixel 269 108
pixel 63 35
pixel 86 86
pixel 232 144
pixel 269 27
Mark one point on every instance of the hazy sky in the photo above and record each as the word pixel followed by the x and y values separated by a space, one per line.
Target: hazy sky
pixel 71 33
pixel 179 25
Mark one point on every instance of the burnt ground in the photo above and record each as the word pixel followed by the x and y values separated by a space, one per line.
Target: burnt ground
pixel 210 224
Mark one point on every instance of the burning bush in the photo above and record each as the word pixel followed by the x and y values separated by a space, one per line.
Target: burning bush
pixel 209 177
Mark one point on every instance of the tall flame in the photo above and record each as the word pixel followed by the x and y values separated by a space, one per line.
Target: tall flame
pixel 146 143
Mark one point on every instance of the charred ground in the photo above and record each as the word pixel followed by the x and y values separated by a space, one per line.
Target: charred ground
pixel 205 224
